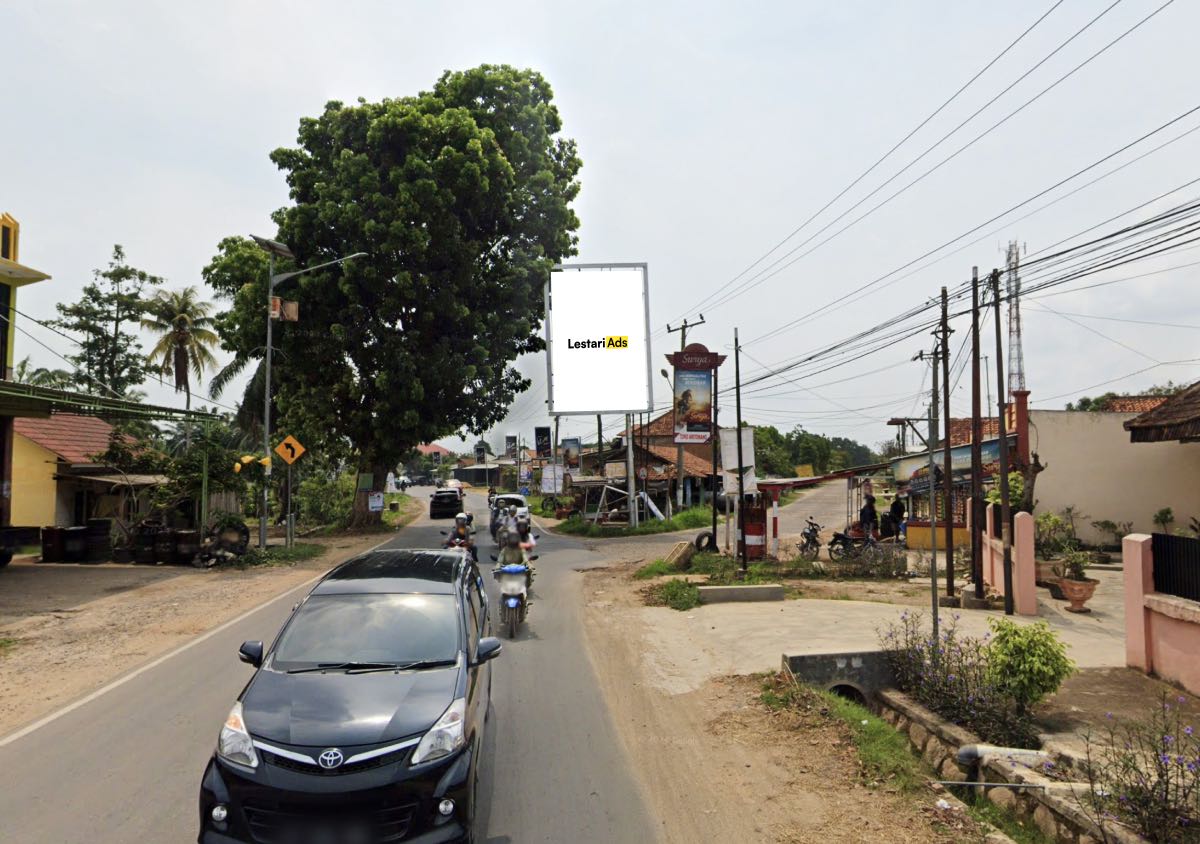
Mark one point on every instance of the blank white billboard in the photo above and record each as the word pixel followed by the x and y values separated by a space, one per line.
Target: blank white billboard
pixel 598 339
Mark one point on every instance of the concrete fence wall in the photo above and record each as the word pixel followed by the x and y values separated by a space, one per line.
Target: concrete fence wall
pixel 1162 632
pixel 1023 562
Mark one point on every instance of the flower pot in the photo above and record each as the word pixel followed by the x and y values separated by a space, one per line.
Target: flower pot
pixel 1044 573
pixel 1078 592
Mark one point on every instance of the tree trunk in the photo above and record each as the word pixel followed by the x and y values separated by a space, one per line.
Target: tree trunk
pixel 361 516
pixel 187 422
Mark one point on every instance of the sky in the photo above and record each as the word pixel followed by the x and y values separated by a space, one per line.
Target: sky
pixel 708 133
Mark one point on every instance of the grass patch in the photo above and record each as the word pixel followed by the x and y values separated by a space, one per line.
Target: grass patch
pixel 1022 832
pixel 27 551
pixel 410 508
pixel 883 751
pixel 6 645
pixel 279 556
pixel 658 568
pixel 676 594
pixel 689 519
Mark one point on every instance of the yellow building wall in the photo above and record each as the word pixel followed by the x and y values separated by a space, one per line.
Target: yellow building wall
pixel 34 490
pixel 918 537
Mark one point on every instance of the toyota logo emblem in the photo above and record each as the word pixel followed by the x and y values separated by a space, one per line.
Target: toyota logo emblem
pixel 330 759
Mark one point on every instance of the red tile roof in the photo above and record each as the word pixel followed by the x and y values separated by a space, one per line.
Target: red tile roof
pixel 693 466
pixel 1133 404
pixel 431 449
pixel 959 430
pixel 75 439
pixel 660 426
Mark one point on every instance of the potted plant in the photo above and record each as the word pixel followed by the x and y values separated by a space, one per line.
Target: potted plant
pixel 1076 586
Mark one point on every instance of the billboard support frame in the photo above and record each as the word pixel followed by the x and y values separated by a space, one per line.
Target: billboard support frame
pixel 607 265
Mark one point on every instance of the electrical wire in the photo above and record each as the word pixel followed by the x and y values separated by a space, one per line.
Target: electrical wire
pixel 769 273
pixel 905 139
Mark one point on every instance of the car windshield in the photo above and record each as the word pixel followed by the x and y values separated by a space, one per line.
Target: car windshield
pixel 372 628
pixel 509 500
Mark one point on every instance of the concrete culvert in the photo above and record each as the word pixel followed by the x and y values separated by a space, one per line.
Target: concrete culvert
pixel 849 692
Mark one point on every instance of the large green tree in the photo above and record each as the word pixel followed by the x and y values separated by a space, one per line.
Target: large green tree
pixel 460 196
pixel 106 318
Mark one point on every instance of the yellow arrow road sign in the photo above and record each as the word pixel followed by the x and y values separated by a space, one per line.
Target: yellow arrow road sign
pixel 290 449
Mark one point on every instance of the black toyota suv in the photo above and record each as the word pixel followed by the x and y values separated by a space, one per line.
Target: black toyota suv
pixel 364 720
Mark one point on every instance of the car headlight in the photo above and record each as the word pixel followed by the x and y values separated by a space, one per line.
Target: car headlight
pixel 445 736
pixel 235 744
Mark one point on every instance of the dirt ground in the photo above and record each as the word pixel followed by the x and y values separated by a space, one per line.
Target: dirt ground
pixel 717 765
pixel 67 630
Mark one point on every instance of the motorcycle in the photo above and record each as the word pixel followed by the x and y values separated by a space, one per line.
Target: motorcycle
pixel 810 544
pixel 843 546
pixel 461 542
pixel 514 580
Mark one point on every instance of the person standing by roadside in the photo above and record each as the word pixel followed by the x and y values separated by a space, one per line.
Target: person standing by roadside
pixel 868 518
pixel 897 511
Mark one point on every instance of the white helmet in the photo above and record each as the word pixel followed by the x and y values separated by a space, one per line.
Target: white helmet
pixel 461 518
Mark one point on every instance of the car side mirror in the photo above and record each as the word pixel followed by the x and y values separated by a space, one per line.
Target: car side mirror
pixel 251 653
pixel 537 536
pixel 534 557
pixel 443 533
pixel 495 559
pixel 489 648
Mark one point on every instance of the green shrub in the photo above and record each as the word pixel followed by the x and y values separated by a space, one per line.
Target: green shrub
pixel 327 498
pixel 1163 519
pixel 279 556
pixel 884 752
pixel 1026 661
pixel 679 594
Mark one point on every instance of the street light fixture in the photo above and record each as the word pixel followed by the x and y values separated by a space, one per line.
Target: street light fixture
pixel 275 249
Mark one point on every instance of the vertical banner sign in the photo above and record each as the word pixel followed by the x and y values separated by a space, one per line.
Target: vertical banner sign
pixel 541 438
pixel 693 400
pixel 480 453
pixel 571 448
pixel 729 454
pixel 693 405
pixel 510 446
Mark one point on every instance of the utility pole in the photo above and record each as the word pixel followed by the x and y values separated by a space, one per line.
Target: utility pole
pixel 716 433
pixel 947 464
pixel 1005 507
pixel 630 477
pixel 683 330
pixel 737 380
pixel 599 448
pixel 933 588
pixel 977 521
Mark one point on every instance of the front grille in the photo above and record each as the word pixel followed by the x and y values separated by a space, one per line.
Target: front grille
pixel 353 768
pixel 277 824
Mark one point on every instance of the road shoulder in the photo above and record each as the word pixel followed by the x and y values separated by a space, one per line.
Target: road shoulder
pixel 59 655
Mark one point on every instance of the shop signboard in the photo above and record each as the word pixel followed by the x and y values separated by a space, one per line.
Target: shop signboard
pixel 571 448
pixel 510 445
pixel 729 460
pixel 912 471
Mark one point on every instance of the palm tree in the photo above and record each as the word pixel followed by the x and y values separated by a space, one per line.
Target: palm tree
pixel 58 379
pixel 185 337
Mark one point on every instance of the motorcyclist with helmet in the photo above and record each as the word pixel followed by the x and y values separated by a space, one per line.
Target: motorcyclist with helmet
pixel 514 554
pixel 463 534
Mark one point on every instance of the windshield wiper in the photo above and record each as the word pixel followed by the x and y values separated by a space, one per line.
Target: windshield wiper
pixel 407 666
pixel 348 666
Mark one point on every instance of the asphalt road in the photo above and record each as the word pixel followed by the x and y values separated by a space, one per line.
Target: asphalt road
pixel 125 766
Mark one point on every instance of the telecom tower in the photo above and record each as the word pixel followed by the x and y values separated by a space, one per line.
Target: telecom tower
pixel 1016 357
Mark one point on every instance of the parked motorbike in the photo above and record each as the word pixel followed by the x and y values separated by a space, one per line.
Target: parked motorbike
pixel 514 582
pixel 843 546
pixel 810 544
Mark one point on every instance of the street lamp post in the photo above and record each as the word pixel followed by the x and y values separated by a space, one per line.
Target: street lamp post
pixel 274 249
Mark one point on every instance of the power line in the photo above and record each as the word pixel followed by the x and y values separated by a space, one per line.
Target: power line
pixel 754 282
pixel 947 160
pixel 903 140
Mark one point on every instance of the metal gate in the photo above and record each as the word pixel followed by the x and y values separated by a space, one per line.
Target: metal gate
pixel 1176 565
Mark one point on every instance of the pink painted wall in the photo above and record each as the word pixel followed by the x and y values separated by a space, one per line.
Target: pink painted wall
pixel 1024 568
pixel 1162 632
